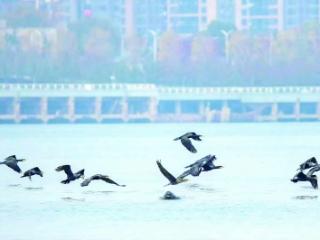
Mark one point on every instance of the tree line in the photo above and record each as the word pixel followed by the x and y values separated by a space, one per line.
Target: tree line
pixel 93 50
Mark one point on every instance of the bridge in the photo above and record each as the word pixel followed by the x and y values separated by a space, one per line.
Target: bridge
pixel 76 103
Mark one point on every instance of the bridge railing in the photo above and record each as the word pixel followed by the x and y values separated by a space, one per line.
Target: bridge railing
pixel 160 89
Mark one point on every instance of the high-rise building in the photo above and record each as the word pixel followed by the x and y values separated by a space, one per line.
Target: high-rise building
pixel 298 12
pixel 262 16
pixel 149 15
pixel 225 11
pixel 183 16
pixel 190 16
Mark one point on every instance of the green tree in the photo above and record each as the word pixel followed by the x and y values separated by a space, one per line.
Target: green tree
pixel 216 28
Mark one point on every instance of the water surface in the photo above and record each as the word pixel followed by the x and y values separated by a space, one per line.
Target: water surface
pixel 250 198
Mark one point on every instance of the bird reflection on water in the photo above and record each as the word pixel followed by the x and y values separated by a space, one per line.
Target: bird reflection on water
pixel 306 197
pixel 33 188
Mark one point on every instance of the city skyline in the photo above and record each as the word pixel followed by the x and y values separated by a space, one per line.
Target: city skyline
pixel 183 17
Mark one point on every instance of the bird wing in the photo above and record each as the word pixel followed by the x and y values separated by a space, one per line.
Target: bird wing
pixel 11 157
pixel 14 166
pixel 184 174
pixel 81 172
pixel 86 182
pixel 314 182
pixel 201 162
pixel 109 180
pixel 195 171
pixel 312 160
pixel 308 164
pixel 37 170
pixel 188 145
pixel 165 173
pixel 313 170
pixel 182 136
pixel 66 169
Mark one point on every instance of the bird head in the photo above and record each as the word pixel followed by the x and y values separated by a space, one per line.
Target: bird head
pixel 294 180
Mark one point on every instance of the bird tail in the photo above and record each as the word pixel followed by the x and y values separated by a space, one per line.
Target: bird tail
pixel 176 139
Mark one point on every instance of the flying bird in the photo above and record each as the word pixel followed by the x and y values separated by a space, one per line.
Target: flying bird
pixel 204 164
pixel 105 178
pixel 12 162
pixel 169 176
pixel 302 177
pixel 186 142
pixel 32 171
pixel 311 162
pixel 70 175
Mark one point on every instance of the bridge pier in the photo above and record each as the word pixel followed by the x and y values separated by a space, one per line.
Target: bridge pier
pixel 225 112
pixel 16 110
pixel 153 109
pixel 178 108
pixel 125 109
pixel 297 109
pixel 274 111
pixel 44 109
pixel 98 110
pixel 202 109
pixel 71 109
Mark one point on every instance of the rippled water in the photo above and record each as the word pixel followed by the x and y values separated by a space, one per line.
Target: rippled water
pixel 250 198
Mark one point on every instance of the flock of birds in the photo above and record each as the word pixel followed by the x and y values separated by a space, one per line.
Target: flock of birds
pixel 202 165
pixel 12 162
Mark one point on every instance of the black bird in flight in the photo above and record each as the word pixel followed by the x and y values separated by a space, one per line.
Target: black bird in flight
pixel 302 177
pixel 32 171
pixel 12 162
pixel 204 164
pixel 311 162
pixel 105 178
pixel 186 142
pixel 169 176
pixel 70 175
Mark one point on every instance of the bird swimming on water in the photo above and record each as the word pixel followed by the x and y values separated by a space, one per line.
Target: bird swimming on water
pixel 12 162
pixel 105 178
pixel 204 164
pixel 32 171
pixel 169 176
pixel 169 196
pixel 186 142
pixel 70 175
